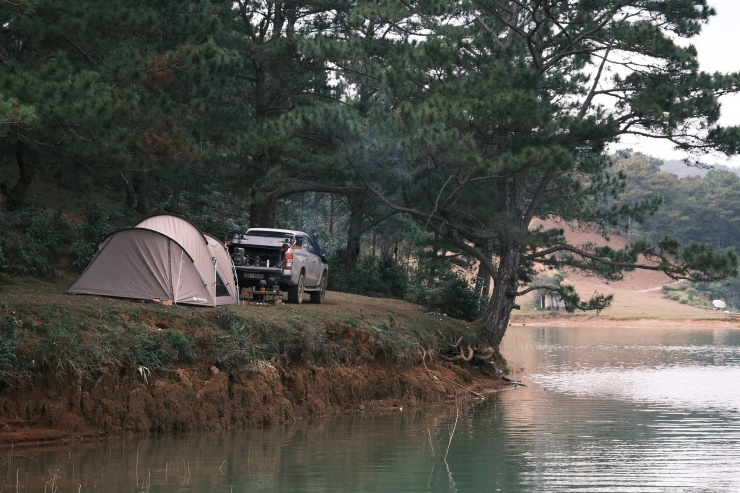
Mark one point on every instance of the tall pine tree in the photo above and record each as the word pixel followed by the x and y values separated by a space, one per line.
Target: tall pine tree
pixel 504 113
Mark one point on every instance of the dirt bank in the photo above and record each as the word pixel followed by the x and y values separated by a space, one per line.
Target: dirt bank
pixel 198 399
pixel 249 365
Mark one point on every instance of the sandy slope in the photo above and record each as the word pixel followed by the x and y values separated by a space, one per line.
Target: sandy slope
pixel 637 296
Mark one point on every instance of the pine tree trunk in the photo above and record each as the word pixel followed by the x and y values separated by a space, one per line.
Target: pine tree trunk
pixel 354 232
pixel 331 215
pixel 26 175
pixel 128 188
pixel 175 200
pixel 262 207
pixel 262 213
pixel 503 299
pixel 141 189
pixel 483 279
pixel 434 258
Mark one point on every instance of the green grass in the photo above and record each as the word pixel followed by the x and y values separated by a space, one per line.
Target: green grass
pixel 46 331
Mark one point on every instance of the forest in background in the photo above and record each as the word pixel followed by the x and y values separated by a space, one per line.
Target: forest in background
pixel 61 231
pixel 410 136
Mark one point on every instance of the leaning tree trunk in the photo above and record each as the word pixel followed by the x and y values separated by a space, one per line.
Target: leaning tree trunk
pixel 503 299
pixel 26 175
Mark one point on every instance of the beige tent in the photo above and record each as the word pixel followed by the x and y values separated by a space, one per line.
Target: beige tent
pixel 163 257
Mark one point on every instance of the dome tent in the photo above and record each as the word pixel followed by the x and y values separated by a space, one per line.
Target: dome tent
pixel 163 257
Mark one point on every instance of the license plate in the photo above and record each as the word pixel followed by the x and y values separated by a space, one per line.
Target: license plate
pixel 252 275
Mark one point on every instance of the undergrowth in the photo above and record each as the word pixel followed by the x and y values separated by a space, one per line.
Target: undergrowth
pixel 241 342
pixel 687 294
pixel 38 243
pixel 448 292
pixel 90 338
pixel 10 341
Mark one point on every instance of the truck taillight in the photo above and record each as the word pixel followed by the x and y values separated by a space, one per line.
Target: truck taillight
pixel 289 259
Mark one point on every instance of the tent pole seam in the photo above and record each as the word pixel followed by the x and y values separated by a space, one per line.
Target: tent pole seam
pixel 179 273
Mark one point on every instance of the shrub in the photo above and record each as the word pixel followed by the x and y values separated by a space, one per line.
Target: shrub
pixel 727 291
pixel 452 295
pixel 11 336
pixel 235 349
pixel 37 243
pixel 381 277
pixel 98 224
pixel 8 354
pixel 686 293
pixel 29 241
pixel 212 211
pixel 388 345
pixel 182 346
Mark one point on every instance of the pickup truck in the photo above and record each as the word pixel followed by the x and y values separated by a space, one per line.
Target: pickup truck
pixel 280 258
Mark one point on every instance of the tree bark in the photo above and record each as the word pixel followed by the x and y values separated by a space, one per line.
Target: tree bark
pixel 262 208
pixel 261 212
pixel 128 187
pixel 26 175
pixel 503 299
pixel 483 279
pixel 176 199
pixel 331 214
pixel 141 189
pixel 506 280
pixel 354 232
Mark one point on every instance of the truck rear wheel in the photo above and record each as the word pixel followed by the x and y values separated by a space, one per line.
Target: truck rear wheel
pixel 295 293
pixel 318 296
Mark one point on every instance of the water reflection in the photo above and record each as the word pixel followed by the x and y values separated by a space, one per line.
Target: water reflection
pixel 633 410
pixel 604 411
pixel 354 453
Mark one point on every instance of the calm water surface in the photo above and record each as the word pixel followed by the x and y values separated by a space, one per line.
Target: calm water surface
pixel 617 410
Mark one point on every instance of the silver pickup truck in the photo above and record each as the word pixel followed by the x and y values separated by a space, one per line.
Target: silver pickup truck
pixel 286 259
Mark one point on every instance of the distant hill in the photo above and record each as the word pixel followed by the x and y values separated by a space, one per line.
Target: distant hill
pixel 680 169
pixel 638 295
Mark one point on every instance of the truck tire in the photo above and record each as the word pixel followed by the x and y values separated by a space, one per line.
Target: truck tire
pixel 318 296
pixel 295 293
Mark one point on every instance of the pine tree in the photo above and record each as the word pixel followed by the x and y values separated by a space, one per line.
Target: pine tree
pixel 262 102
pixel 103 90
pixel 504 115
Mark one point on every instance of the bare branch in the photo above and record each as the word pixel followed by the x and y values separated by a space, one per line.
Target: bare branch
pixel 592 92
pixel 81 51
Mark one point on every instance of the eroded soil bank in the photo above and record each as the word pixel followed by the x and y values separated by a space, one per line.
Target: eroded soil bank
pixel 348 354
pixel 198 399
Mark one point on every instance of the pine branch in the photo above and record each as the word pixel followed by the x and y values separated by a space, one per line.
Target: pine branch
pixel 81 51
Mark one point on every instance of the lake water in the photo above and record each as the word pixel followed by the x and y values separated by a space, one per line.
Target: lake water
pixel 603 410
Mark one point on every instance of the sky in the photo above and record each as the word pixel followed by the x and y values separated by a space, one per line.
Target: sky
pixel 717 46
